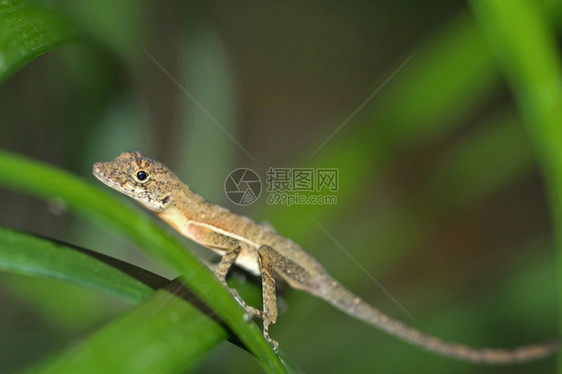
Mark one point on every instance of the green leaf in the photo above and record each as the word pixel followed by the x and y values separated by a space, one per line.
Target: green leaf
pixel 162 335
pixel 90 202
pixel 27 32
pixel 25 254
pixel 524 44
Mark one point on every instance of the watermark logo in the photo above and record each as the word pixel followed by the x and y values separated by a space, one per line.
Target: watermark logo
pixel 302 186
pixel 285 186
pixel 302 179
pixel 242 186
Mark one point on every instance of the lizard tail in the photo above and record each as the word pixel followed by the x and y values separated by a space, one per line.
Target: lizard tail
pixel 344 300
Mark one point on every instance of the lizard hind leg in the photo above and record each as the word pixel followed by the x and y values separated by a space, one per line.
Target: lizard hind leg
pixel 267 258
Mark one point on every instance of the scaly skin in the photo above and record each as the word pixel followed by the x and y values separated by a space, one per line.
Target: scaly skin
pixel 260 250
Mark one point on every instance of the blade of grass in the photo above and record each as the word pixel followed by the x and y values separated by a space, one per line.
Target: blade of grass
pixel 162 335
pixel 25 254
pixel 524 44
pixel 26 32
pixel 178 335
pixel 51 183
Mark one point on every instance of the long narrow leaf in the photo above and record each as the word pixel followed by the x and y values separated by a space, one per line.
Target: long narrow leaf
pixel 162 335
pixel 524 43
pixel 25 254
pixel 176 333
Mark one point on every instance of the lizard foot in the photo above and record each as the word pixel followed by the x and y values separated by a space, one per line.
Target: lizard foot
pixel 251 312
pixel 271 341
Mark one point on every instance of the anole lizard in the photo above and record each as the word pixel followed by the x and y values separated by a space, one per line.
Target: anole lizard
pixel 262 251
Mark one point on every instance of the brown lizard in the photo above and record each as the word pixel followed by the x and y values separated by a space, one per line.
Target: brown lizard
pixel 262 251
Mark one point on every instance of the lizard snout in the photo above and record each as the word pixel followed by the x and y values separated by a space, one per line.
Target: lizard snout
pixel 97 168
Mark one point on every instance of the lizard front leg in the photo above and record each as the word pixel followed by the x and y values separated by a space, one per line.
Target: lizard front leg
pixel 232 250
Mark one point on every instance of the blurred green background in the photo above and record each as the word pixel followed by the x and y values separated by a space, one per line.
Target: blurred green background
pixel 440 197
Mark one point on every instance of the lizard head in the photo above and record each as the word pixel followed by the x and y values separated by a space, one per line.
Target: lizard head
pixel 147 181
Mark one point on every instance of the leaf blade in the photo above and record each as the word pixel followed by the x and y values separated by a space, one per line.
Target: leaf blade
pixel 26 32
pixel 162 335
pixel 25 254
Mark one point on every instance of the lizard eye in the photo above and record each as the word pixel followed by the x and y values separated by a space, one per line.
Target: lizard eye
pixel 142 176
